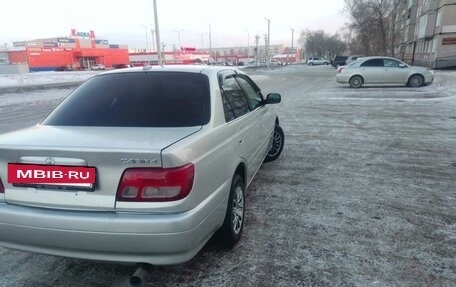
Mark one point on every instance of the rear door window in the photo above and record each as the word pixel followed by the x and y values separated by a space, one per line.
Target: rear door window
pixel 373 63
pixel 138 99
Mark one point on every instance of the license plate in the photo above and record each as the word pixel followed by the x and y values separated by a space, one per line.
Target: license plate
pixel 51 175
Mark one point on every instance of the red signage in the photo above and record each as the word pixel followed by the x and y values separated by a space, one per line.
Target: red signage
pixel 76 34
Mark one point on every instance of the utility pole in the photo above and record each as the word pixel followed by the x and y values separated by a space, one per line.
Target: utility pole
pixel 268 41
pixel 257 38
pixel 292 38
pixel 152 32
pixel 210 42
pixel 157 34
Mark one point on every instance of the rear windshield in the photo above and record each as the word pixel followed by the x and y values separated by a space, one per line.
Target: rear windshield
pixel 139 99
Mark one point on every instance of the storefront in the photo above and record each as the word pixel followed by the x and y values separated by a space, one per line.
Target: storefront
pixel 80 51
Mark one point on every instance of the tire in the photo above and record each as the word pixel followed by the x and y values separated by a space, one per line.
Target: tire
pixel 277 142
pixel 311 64
pixel 356 82
pixel 415 81
pixel 231 230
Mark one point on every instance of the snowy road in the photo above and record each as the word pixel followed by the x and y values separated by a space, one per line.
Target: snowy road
pixel 363 195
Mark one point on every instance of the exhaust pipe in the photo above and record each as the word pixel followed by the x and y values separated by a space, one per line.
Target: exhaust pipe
pixel 140 277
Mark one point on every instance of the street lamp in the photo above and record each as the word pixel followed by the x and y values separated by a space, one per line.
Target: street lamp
pixel 147 40
pixel 179 37
pixel 202 36
pixel 268 41
pixel 210 42
pixel 292 37
pixel 248 46
pixel 257 38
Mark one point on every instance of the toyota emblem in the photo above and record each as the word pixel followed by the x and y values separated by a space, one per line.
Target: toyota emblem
pixel 50 160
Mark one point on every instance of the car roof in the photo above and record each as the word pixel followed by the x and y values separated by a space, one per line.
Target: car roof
pixel 378 57
pixel 173 68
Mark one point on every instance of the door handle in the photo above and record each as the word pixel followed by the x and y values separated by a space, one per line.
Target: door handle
pixel 241 142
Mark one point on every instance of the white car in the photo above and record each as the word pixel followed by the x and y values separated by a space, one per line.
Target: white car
pixel 139 165
pixel 317 61
pixel 383 70
pixel 98 67
pixel 352 59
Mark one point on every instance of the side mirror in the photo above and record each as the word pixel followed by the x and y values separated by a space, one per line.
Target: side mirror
pixel 273 98
pixel 402 66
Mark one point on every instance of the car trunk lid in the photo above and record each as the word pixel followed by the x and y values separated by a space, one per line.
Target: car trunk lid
pixel 110 150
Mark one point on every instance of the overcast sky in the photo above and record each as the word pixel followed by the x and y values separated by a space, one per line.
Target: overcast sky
pixel 121 22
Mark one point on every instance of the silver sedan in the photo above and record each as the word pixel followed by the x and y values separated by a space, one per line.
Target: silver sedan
pixel 383 70
pixel 138 165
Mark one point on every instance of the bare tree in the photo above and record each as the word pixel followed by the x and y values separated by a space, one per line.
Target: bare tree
pixel 320 44
pixel 370 24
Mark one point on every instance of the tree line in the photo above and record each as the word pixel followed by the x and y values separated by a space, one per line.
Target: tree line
pixel 371 30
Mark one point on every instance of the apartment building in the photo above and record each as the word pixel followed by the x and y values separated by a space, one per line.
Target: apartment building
pixel 427 32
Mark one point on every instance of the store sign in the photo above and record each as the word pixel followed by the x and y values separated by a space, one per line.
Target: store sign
pixel 77 34
pixel 449 41
pixel 65 40
pixel 49 44
pixel 102 42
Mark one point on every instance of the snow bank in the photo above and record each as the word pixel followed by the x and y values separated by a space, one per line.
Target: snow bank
pixel 43 78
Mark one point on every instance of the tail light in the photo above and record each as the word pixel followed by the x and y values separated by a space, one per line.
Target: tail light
pixel 2 188
pixel 156 184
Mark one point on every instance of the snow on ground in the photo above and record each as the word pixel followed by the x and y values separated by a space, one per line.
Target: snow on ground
pixel 445 80
pixel 43 78
pixel 33 97
pixel 362 195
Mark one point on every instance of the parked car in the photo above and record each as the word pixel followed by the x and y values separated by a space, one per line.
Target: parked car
pixel 64 68
pixel 317 61
pixel 138 165
pixel 383 70
pixel 120 66
pixel 98 67
pixel 351 59
pixel 339 61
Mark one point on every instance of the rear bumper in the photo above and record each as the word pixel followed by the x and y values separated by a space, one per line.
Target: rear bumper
pixel 158 239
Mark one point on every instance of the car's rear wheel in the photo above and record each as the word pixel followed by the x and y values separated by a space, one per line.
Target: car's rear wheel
pixel 356 82
pixel 311 64
pixel 416 81
pixel 277 142
pixel 231 230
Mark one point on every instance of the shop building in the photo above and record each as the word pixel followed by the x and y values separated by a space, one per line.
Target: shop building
pixel 80 51
pixel 184 56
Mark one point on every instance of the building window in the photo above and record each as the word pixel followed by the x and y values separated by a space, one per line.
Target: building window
pixel 422 29
pixel 438 22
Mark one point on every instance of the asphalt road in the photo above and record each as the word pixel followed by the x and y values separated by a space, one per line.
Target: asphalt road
pixel 364 194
